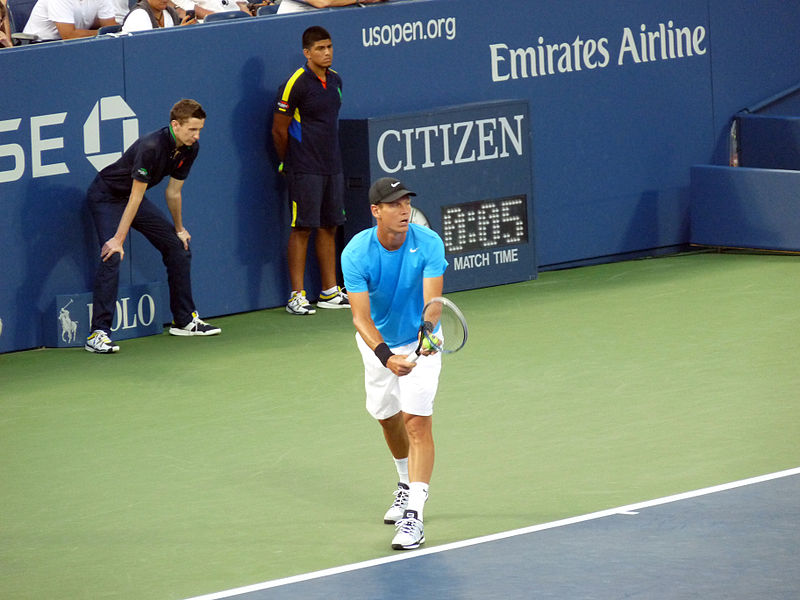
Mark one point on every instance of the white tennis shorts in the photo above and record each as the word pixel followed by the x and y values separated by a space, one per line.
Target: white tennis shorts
pixel 388 394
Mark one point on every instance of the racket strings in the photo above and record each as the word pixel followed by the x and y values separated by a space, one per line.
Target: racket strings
pixel 452 332
pixel 449 329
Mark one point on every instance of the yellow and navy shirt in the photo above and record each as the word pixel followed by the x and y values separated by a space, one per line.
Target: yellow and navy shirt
pixel 314 130
pixel 149 159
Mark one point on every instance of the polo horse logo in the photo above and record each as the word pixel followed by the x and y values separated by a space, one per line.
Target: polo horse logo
pixel 69 328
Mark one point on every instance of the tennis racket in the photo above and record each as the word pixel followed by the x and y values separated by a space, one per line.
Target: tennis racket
pixel 443 328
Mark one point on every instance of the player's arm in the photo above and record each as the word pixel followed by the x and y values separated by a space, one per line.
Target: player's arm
pixel 175 204
pixel 280 133
pixel 431 288
pixel 359 305
pixel 131 208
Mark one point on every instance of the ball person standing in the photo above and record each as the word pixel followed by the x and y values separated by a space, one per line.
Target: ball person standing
pixel 117 203
pixel 305 131
pixel 391 270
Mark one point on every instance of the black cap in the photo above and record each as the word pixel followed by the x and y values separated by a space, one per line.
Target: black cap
pixel 387 189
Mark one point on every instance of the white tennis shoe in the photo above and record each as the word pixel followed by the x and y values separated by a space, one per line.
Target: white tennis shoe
pixel 410 532
pixel 337 299
pixel 398 507
pixel 299 305
pixel 195 327
pixel 99 343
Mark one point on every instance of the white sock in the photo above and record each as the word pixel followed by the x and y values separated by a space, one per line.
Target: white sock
pixel 330 291
pixel 418 494
pixel 402 469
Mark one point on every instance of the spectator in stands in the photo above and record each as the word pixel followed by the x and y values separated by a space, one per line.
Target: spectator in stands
pixel 202 8
pixel 290 6
pixel 5 27
pixel 69 19
pixel 121 10
pixel 153 14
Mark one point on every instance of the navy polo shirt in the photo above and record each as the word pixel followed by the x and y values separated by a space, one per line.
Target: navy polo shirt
pixel 150 159
pixel 314 130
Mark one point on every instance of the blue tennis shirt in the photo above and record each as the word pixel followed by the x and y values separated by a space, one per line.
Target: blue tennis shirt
pixel 394 278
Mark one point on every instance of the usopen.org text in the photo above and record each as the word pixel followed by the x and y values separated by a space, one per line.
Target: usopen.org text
pixel 391 35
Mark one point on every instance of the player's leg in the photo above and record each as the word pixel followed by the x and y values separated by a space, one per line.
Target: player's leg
pixel 160 232
pixel 106 213
pixel 383 405
pixel 417 394
pixel 421 449
pixel 394 432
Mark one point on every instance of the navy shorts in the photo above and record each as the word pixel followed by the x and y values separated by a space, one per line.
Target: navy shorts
pixel 316 200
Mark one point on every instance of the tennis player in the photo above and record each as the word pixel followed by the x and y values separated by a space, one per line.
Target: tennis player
pixel 391 270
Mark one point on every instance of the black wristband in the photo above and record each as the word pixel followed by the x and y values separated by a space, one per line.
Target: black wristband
pixel 383 353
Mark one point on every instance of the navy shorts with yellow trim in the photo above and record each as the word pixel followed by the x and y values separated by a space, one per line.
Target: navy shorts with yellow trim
pixel 316 200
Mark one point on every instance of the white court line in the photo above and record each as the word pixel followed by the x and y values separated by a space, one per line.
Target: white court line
pixel 627 509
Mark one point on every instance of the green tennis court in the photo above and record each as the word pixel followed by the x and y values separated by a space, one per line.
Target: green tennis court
pixel 186 466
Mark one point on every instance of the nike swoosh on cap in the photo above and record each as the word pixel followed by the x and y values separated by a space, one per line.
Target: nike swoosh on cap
pixel 395 184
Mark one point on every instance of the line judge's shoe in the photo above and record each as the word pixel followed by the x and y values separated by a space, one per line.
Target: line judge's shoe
pixel 195 327
pixel 410 532
pixel 337 299
pixel 99 343
pixel 398 507
pixel 299 305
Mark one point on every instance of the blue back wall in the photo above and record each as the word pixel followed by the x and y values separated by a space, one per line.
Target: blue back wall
pixel 615 128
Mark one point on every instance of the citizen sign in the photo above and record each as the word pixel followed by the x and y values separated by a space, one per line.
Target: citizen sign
pixel 450 143
pixel 44 136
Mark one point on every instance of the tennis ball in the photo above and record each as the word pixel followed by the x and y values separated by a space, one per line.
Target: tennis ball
pixel 426 343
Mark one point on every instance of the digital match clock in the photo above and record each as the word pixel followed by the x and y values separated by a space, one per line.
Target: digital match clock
pixel 485 224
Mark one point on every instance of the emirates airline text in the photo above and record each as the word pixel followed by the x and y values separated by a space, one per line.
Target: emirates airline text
pixel 664 42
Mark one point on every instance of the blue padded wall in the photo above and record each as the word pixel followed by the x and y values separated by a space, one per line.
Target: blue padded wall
pixel 612 142
pixel 769 142
pixel 746 208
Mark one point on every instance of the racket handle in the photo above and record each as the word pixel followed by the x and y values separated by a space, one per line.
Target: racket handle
pixel 412 357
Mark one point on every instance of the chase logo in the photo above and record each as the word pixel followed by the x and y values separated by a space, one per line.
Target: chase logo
pixel 111 108
pixel 48 147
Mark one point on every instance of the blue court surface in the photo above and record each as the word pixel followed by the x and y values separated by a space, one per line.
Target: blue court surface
pixel 738 540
